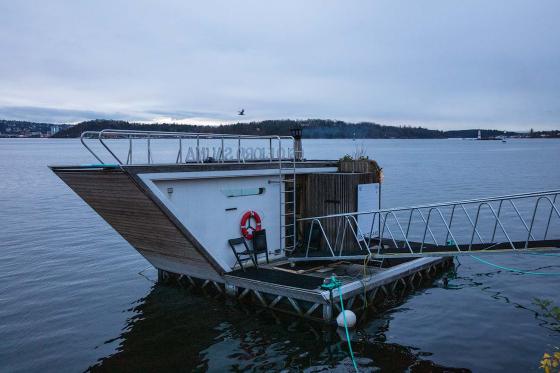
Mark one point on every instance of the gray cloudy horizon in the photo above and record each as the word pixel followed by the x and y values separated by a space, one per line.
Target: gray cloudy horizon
pixel 437 64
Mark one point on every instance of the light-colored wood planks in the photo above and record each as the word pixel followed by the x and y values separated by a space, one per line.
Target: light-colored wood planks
pixel 119 200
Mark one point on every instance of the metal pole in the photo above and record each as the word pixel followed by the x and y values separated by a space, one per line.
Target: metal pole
pixel 100 138
pixel 239 150
pixel 129 158
pixel 82 140
pixel 520 217
pixel 149 151
pixel 381 234
pixel 371 229
pixel 550 216
pixel 281 194
pixel 426 230
pixel 379 208
pixel 402 231
pixel 496 223
pixel 470 220
pixel 450 222
pixel 294 206
pixel 180 155
pixel 197 149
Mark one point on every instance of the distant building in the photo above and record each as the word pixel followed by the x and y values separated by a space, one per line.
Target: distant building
pixel 54 130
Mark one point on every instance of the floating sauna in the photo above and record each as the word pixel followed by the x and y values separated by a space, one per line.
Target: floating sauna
pixel 245 225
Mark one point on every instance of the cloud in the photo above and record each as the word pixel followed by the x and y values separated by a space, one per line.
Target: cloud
pixel 50 115
pixel 434 63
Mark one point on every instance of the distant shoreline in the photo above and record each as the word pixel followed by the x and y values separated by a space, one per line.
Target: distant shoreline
pixel 312 129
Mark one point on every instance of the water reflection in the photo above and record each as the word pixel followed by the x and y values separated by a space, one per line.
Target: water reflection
pixel 174 329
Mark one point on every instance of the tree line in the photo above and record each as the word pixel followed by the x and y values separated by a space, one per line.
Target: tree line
pixel 312 128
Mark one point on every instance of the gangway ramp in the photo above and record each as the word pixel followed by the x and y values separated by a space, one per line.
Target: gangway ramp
pixel 527 222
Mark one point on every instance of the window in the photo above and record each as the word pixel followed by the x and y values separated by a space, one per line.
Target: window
pixel 242 192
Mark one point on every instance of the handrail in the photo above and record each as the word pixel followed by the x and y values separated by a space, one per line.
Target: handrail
pixel 553 208
pixel 441 204
pixel 448 229
pixel 480 206
pixel 418 247
pixel 106 134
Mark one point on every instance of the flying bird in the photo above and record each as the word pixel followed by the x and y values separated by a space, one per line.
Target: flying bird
pixel 241 112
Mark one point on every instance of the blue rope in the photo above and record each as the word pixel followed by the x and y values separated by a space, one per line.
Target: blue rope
pixel 515 270
pixel 346 328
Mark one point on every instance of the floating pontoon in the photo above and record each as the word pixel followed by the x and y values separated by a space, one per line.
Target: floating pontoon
pixel 190 203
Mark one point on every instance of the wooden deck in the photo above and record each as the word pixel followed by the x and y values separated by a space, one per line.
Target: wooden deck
pixel 301 290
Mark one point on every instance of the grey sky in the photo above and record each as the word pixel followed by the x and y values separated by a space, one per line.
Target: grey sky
pixel 439 64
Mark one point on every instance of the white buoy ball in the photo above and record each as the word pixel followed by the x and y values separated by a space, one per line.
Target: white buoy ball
pixel 350 319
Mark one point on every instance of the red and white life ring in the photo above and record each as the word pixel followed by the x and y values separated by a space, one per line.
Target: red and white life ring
pixel 246 228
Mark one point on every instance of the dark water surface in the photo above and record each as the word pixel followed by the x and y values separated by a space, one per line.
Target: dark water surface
pixel 74 294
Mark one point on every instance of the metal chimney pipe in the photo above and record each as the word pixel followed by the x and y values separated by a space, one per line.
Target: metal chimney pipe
pixel 296 132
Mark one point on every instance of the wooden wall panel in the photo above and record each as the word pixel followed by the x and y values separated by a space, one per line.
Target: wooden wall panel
pixel 118 200
pixel 332 193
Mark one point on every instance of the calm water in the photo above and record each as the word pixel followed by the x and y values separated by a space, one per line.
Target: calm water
pixel 75 295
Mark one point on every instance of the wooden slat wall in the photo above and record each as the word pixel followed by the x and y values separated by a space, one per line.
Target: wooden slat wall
pixel 333 193
pixel 114 196
pixel 361 166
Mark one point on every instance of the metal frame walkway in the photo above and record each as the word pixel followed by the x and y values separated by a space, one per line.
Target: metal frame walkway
pixel 511 223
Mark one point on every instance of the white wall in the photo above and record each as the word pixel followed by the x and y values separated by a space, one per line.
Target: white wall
pixel 201 206
pixel 368 200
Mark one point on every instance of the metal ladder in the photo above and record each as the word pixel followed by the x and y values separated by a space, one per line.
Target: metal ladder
pixel 288 206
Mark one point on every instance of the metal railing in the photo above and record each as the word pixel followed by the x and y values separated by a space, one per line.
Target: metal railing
pixel 451 227
pixel 131 136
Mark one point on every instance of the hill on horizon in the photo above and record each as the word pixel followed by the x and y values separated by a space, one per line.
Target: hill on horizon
pixel 313 128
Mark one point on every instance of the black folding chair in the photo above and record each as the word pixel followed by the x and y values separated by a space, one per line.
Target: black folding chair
pixel 241 251
pixel 259 243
